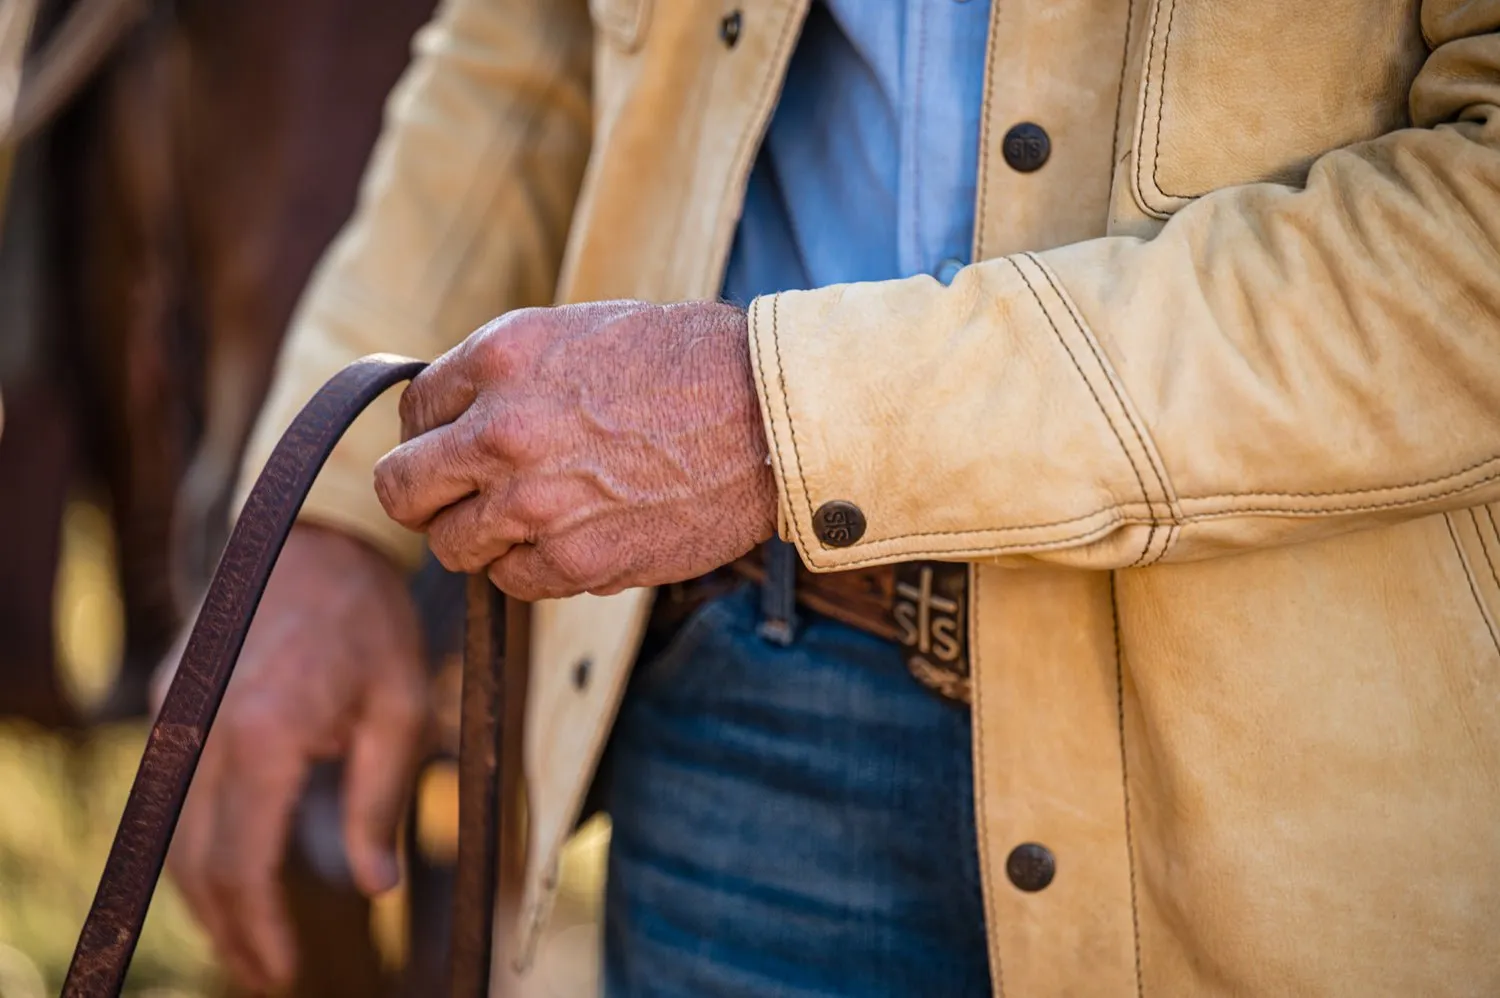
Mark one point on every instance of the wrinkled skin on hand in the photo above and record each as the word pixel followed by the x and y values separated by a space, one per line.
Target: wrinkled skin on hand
pixel 587 448
pixel 332 668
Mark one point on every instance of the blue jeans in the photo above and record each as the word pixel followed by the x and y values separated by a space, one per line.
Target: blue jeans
pixel 790 821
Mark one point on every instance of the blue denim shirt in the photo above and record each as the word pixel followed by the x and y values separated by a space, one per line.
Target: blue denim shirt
pixel 868 169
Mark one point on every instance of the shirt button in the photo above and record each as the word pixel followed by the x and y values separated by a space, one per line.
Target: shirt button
pixel 1026 147
pixel 1030 867
pixel 839 524
pixel 948 270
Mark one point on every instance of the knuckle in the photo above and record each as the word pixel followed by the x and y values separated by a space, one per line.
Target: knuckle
pixel 390 488
pixel 498 347
pixel 461 455
pixel 513 583
pixel 573 565
pixel 446 554
pixel 502 432
pixel 411 405
pixel 532 505
pixel 455 541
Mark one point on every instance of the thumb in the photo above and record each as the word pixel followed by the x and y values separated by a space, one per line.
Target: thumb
pixel 382 759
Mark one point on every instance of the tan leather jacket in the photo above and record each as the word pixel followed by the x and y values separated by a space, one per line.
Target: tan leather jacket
pixel 1217 421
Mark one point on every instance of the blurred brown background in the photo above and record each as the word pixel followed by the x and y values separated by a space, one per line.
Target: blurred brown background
pixel 170 172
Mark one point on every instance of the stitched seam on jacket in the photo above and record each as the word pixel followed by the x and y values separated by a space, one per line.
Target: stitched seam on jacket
pixel 791 425
pixel 1114 149
pixel 1112 511
pixel 1484 548
pixel 1119 518
pixel 1186 518
pixel 1140 480
pixel 726 225
pixel 1157 470
pixel 1337 510
pixel 1463 561
pixel 1086 334
pixel 455 259
pixel 986 875
pixel 1166 546
pixel 1140 138
pixel 1173 532
pixel 1161 117
pixel 1135 912
pixel 760 379
pixel 1161 110
pixel 1438 480
pixel 985 131
pixel 988 550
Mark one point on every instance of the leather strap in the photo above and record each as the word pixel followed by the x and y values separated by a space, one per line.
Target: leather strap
pixel 860 598
pixel 113 926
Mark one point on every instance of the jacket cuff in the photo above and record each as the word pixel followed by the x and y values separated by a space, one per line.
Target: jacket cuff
pixel 974 421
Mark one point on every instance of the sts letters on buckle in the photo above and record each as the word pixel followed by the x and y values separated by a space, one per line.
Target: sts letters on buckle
pixel 930 605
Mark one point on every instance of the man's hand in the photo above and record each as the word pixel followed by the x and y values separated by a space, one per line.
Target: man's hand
pixel 332 667
pixel 588 448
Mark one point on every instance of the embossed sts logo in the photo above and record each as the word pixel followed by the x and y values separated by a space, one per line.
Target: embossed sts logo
pixel 929 605
pixel 841 527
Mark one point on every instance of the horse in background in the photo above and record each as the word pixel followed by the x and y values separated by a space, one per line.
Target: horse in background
pixel 176 168
pixel 180 169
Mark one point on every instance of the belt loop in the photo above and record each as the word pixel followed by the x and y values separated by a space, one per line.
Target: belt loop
pixel 778 593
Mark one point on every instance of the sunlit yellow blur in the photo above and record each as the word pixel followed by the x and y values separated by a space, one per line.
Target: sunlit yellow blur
pixel 62 798
pixel 90 626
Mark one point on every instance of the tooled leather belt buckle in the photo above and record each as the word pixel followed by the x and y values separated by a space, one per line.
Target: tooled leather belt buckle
pixel 930 605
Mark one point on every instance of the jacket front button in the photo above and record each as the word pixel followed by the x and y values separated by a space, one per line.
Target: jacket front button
pixel 729 29
pixel 1026 147
pixel 1030 867
pixel 839 524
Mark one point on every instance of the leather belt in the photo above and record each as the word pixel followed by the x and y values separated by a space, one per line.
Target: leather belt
pixel 920 605
pixel 488 845
pixel 859 598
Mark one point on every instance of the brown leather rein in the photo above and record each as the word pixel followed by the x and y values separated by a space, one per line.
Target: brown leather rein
pixel 113 926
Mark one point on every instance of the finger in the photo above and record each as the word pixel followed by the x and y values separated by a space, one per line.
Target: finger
pixel 439 394
pixel 378 775
pixel 421 477
pixel 253 817
pixel 527 573
pixel 469 535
